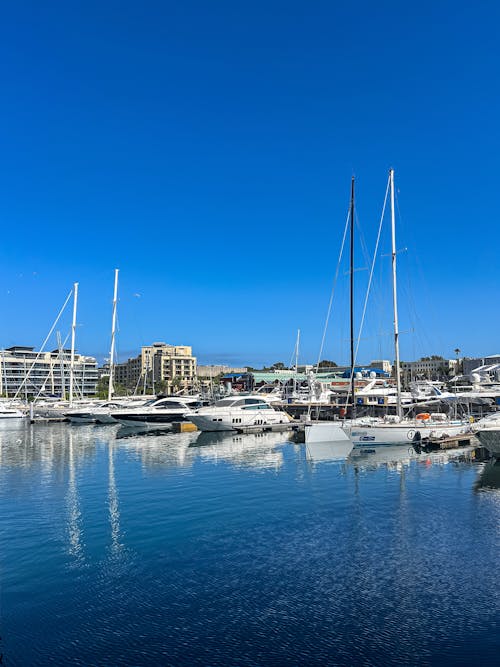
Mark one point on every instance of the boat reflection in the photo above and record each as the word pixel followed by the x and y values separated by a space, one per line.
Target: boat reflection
pixel 166 450
pixel 489 479
pixel 400 457
pixel 75 547
pixel 392 457
pixel 248 450
pixel 321 452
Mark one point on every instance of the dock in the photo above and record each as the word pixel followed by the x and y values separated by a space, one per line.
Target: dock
pixel 189 427
pixel 452 442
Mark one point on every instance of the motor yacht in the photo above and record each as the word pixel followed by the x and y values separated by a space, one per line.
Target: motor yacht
pixel 100 413
pixel 158 412
pixel 11 412
pixel 232 413
pixel 487 430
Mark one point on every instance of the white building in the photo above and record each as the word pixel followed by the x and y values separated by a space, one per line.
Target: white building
pixel 25 372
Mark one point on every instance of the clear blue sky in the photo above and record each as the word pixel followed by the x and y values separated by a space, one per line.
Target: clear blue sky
pixel 206 150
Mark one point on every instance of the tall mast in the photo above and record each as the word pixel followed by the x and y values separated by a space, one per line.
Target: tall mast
pixel 297 352
pixel 73 330
pixel 296 381
pixel 395 294
pixel 352 295
pixel 113 330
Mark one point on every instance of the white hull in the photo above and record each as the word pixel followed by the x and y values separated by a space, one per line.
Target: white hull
pixel 234 420
pixel 12 414
pixel 490 438
pixel 402 433
pixel 325 432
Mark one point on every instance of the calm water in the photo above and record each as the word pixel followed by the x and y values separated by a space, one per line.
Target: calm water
pixel 193 550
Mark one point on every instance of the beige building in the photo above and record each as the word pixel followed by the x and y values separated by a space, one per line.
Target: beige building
pixel 428 369
pixel 159 366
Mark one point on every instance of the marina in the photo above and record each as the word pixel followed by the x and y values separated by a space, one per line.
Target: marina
pixel 249 351
pixel 198 548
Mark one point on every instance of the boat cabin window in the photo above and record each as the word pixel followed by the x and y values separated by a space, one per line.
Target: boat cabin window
pixel 257 406
pixel 226 402
pixel 170 404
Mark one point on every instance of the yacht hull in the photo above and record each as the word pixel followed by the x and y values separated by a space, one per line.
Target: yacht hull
pixel 325 432
pixel 400 434
pixel 490 438
pixel 217 421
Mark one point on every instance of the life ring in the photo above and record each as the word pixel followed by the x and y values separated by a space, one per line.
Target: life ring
pixel 423 416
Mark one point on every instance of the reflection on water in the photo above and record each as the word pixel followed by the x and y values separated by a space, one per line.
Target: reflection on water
pixel 114 511
pixel 253 450
pixel 242 549
pixel 489 479
pixel 73 505
pixel 320 452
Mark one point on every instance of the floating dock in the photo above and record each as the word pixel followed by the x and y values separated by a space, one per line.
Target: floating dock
pixel 453 442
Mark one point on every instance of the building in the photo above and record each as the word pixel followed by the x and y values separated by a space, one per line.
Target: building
pixel 382 364
pixel 428 368
pixel 470 365
pixel 213 371
pixel 159 367
pixel 27 373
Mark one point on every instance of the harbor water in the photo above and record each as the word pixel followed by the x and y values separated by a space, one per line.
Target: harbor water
pixel 197 549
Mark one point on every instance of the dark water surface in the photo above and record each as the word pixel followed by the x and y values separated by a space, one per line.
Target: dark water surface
pixel 242 550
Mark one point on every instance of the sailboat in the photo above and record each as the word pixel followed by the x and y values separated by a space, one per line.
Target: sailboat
pixel 393 429
pixel 396 429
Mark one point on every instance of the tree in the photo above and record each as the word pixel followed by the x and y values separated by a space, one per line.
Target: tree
pixel 176 382
pixel 278 366
pixel 326 363
pixel 102 388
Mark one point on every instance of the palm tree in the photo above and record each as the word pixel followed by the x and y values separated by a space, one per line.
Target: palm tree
pixel 457 352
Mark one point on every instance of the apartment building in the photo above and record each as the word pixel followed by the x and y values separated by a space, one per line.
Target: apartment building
pixel 169 367
pixel 27 373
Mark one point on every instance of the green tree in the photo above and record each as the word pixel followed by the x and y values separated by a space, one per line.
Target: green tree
pixel 278 366
pixel 326 363
pixel 103 387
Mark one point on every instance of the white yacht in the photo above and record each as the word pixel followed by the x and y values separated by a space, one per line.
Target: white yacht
pixel 11 412
pixel 232 413
pixel 158 412
pixel 100 413
pixel 487 430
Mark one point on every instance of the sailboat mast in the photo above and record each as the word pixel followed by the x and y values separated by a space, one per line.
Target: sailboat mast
pixel 113 330
pixel 395 295
pixel 73 331
pixel 297 343
pixel 352 293
pixel 297 352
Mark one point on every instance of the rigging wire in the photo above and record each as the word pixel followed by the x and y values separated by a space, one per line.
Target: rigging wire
pixel 44 343
pixel 332 293
pixel 368 288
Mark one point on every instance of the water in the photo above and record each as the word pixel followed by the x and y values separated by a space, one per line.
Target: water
pixel 242 550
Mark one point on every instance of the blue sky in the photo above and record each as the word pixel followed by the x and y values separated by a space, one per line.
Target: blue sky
pixel 206 150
